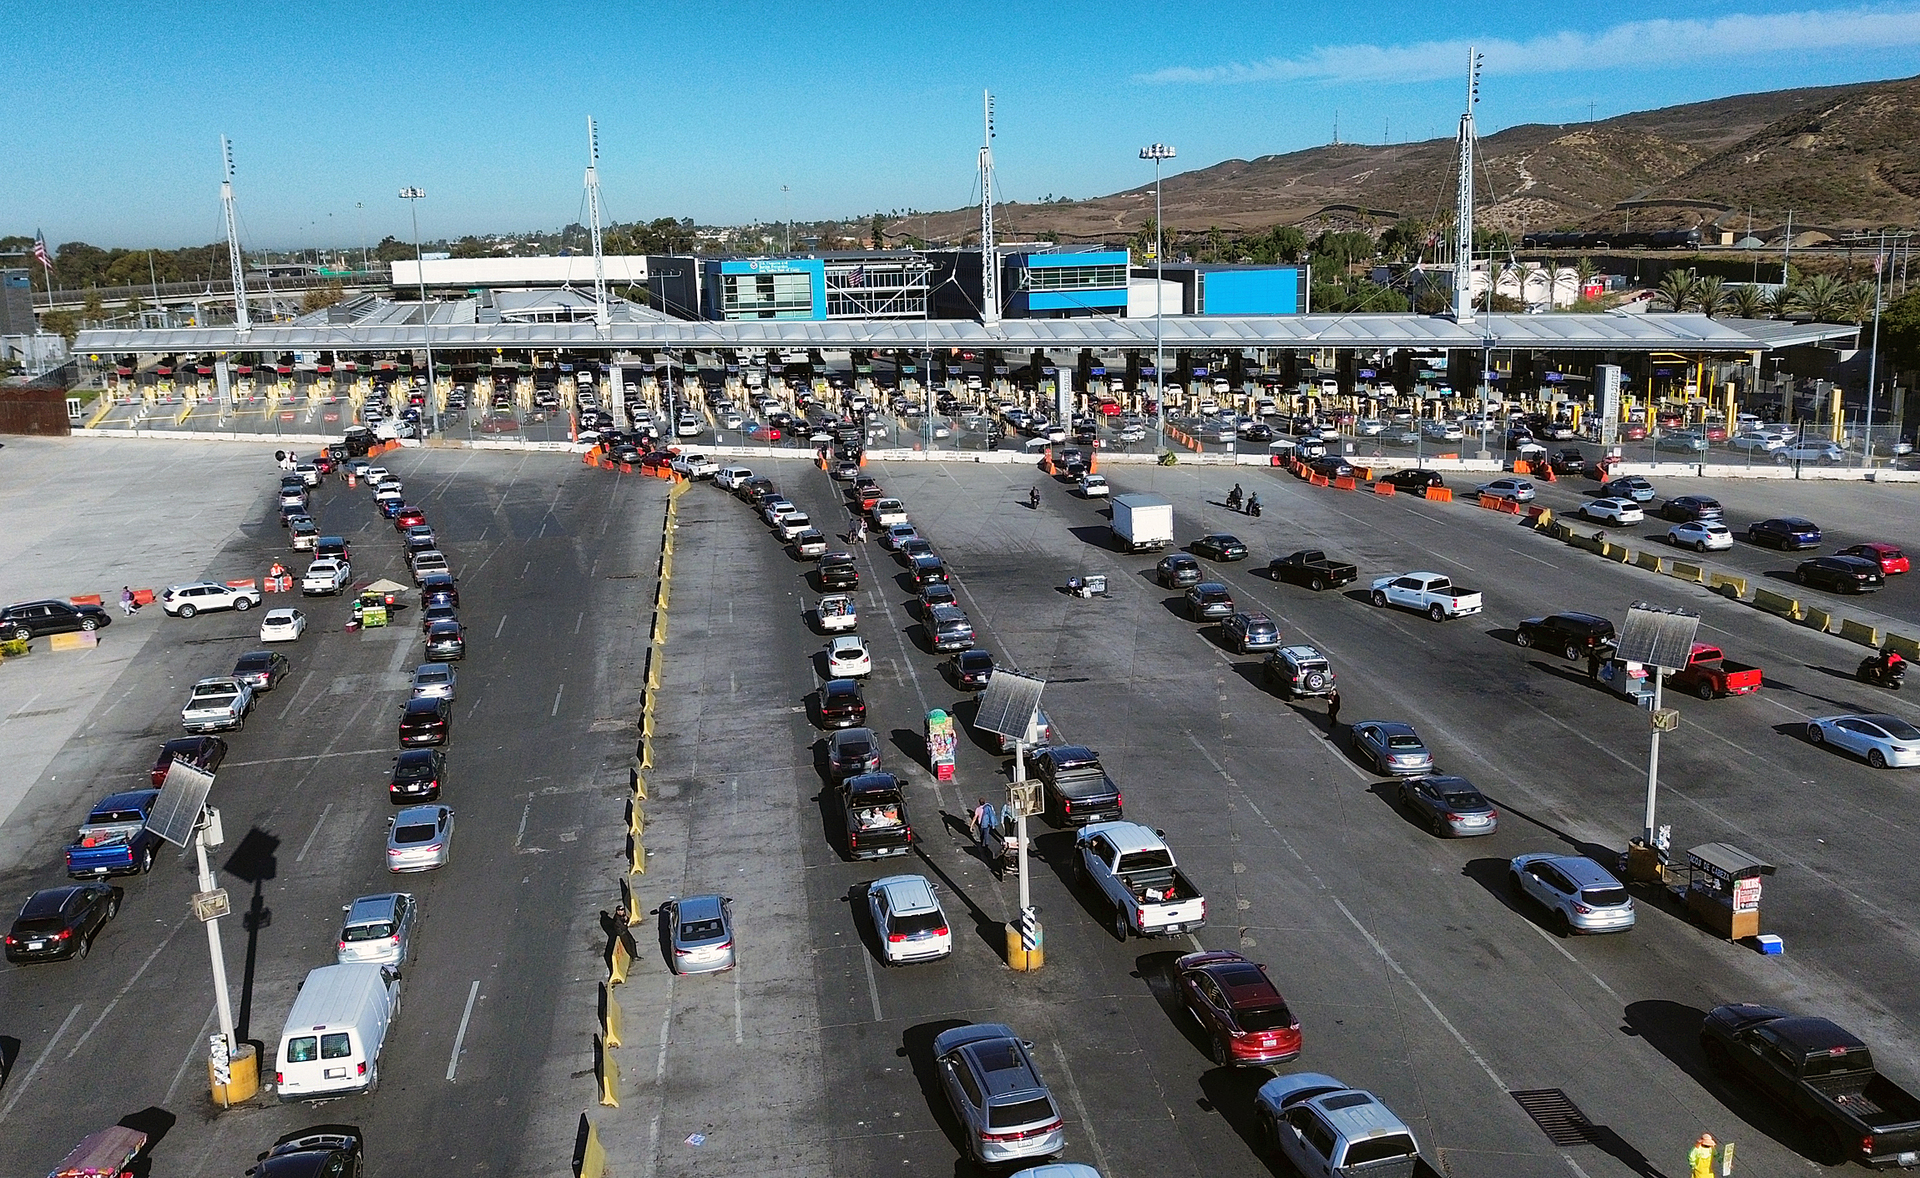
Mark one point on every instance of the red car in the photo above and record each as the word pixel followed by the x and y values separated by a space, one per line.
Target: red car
pixel 1634 431
pixel 1714 431
pixel 870 496
pixel 1110 408
pixel 1890 559
pixel 204 751
pixel 1243 1014
pixel 407 517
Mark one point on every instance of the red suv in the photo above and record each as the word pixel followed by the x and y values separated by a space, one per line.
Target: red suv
pixel 407 517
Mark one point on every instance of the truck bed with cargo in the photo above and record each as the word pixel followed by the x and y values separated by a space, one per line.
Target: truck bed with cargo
pixel 114 840
pixel 1133 868
pixel 1709 673
pixel 874 808
pixel 1142 523
pixel 1311 568
pixel 1823 1077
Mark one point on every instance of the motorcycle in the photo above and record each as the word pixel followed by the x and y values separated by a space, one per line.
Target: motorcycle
pixel 1253 507
pixel 1233 500
pixel 1878 672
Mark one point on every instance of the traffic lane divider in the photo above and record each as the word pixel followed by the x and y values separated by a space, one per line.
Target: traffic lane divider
pixel 1777 603
pixel 1860 632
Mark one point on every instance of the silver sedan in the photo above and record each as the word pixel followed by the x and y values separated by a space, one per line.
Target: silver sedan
pixel 1392 748
pixel 1885 741
pixel 433 681
pixel 420 838
pixel 700 929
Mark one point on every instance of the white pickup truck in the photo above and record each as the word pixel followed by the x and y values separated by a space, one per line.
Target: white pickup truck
pixel 217 705
pixel 1133 867
pixel 888 511
pixel 1430 593
pixel 837 612
pixel 326 576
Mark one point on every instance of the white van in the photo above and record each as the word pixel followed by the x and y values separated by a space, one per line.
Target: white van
pixel 331 1044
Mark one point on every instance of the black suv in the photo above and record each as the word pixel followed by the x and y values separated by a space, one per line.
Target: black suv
pixel 426 721
pixel 324 1151
pixel 1299 670
pixel 1572 634
pixel 1209 601
pixel 851 752
pixel 31 619
pixel 1078 790
pixel 948 628
pixel 841 704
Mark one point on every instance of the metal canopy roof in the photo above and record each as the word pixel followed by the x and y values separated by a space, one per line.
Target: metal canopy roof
pixel 1554 332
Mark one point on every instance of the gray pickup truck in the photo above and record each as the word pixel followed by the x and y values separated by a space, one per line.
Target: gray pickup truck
pixel 1133 868
pixel 217 705
pixel 1310 567
pixel 1823 1077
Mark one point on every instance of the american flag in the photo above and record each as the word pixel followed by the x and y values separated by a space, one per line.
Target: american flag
pixel 858 277
pixel 40 251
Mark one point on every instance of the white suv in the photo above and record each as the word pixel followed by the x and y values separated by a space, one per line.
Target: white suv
pixel 184 601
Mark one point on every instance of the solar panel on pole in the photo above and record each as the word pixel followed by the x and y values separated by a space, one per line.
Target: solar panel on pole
pixel 1008 704
pixel 183 795
pixel 1658 637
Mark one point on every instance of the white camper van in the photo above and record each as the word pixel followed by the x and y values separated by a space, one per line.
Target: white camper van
pixel 331 1044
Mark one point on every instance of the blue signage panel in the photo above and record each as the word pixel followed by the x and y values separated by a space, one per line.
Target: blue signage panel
pixel 1274 291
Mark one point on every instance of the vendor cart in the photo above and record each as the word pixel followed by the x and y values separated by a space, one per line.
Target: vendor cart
pixel 106 1154
pixel 1723 889
pixel 370 608
pixel 1632 680
pixel 941 744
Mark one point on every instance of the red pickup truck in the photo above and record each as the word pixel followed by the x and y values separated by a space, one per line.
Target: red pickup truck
pixel 1710 673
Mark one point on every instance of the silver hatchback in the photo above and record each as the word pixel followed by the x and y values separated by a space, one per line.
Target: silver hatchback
pixel 378 929
pixel 701 931
pixel 433 681
pixel 1006 1112
pixel 1579 895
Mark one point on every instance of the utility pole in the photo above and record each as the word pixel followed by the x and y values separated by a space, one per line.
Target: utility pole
pixel 413 197
pixel 1159 153
pixel 1873 356
pixel 233 239
pixel 786 222
pixel 1463 202
pixel 602 317
pixel 989 257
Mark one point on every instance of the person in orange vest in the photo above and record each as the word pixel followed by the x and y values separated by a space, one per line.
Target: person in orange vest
pixel 275 573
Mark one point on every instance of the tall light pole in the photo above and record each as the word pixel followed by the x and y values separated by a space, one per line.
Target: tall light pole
pixel 1873 357
pixel 1158 153
pixel 413 197
pixel 786 222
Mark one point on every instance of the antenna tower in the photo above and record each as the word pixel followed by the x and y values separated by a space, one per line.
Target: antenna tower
pixel 602 318
pixel 240 317
pixel 1463 209
pixel 989 257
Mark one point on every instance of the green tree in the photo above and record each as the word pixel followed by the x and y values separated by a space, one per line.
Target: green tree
pixel 392 250
pixel 1780 303
pixel 134 306
pixel 877 231
pixel 92 307
pixel 1747 301
pixel 1822 298
pixel 1710 294
pixel 1900 332
pixel 65 324
pixel 319 298
pixel 1676 291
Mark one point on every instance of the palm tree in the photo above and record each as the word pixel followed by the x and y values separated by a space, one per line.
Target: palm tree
pixel 1583 272
pixel 1857 300
pixel 1747 301
pixel 1782 301
pixel 1711 294
pixel 1677 290
pixel 1821 297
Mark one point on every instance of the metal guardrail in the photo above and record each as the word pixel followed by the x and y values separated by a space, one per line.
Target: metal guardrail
pixel 116 296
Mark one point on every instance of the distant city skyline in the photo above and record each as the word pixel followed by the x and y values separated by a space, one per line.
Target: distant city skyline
pixel 756 112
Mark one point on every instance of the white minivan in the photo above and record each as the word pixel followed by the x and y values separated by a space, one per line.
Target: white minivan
pixel 331 1044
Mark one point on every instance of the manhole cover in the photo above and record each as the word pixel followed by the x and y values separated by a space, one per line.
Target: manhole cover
pixel 1558 1117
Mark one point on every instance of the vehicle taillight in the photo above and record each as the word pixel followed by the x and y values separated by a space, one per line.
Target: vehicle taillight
pixel 1066 805
pixel 63 934
pixel 341 945
pixel 279 1078
pixel 1866 1144
pixel 1583 910
pixel 896 938
pixel 941 931
pixel 363 1067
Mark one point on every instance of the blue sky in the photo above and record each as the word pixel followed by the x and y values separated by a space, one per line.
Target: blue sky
pixel 706 110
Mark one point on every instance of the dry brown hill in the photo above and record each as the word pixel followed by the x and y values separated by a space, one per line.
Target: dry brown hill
pixel 1840 156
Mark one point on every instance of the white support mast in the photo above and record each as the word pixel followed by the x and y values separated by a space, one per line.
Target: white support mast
pixel 233 238
pixel 989 257
pixel 1463 208
pixel 602 318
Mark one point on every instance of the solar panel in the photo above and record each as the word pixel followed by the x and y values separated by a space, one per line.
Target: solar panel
pixel 1008 704
pixel 176 812
pixel 1658 637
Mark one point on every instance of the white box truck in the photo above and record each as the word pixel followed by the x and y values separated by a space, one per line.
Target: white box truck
pixel 1142 523
pixel 331 1044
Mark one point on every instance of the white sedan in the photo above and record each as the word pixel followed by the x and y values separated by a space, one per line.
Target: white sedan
pixel 1701 535
pixel 1615 511
pixel 847 656
pixel 282 625
pixel 1885 741
pixel 1093 484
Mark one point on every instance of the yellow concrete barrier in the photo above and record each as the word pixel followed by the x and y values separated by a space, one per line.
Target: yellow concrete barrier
pixel 106 407
pixel 646 722
pixel 609 1078
pixel 1819 619
pixel 1734 587
pixel 609 1018
pixel 618 959
pixel 653 668
pixel 1860 632
pixel 636 856
pixel 1688 571
pixel 639 781
pixel 636 818
pixel 630 900
pixel 1543 519
pixel 1776 603
pixel 1619 552
pixel 593 1155
pixel 1648 560
pixel 1908 647
pixel 76 640
pixel 659 628
pixel 646 752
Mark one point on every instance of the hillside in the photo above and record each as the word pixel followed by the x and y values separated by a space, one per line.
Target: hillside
pixel 1840 156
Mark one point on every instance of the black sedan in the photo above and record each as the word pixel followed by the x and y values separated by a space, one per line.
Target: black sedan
pixel 1331 467
pixel 841 704
pixel 1784 532
pixel 1177 571
pixel 418 775
pixel 1682 508
pixel 58 923
pixel 1449 806
pixel 324 1151
pixel 1572 634
pixel 1840 574
pixel 261 669
pixel 1220 546
pixel 1414 481
pixel 972 669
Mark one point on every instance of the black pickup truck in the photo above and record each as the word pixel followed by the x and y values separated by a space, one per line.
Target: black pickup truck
pixel 1822 1076
pixel 1312 569
pixel 874 807
pixel 1077 788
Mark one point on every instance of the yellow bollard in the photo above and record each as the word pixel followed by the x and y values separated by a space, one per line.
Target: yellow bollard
pixel 659 628
pixel 653 669
pixel 646 722
pixel 630 900
pixel 593 1155
pixel 609 1079
pixel 618 962
pixel 1022 960
pixel 610 1021
pixel 243 1078
pixel 646 752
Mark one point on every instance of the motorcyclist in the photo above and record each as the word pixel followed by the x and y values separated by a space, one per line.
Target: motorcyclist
pixel 1253 505
pixel 1233 498
pixel 1033 498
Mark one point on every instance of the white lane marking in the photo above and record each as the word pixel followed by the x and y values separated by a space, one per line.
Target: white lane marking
pixel 659 1079
pixel 194 1049
pixel 460 1036
pixel 501 626
pixel 556 701
pixel 26 1081
pixel 306 757
pixel 578 621
pixel 522 832
pixel 122 993
pixel 1080 1106
pixel 25 707
pixel 529 564
pixel 308 845
pixel 1550 939
pixel 1381 951
pixel 873 988
pixel 1533 558
pixel 400 656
